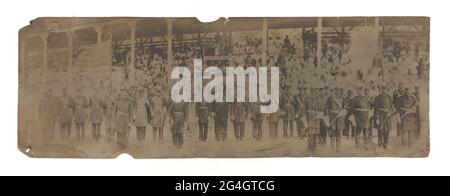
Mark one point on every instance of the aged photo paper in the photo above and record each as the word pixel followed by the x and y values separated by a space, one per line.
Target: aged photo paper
pixel 235 87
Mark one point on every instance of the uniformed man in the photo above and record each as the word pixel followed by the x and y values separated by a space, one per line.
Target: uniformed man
pixel 158 116
pixel 300 112
pixel 108 111
pixel 202 113
pixel 407 108
pixel 96 106
pixel 383 110
pixel 66 107
pixel 221 111
pixel 397 94
pixel 178 112
pixel 141 114
pixel 336 113
pixel 81 115
pixel 370 94
pixel 273 119
pixel 257 120
pixel 324 129
pixel 361 109
pixel 288 116
pixel 349 129
pixel 314 114
pixel 238 117
pixel 123 112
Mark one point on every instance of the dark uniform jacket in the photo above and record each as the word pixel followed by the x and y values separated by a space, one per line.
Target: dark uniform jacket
pixel 361 109
pixel 238 112
pixel 383 107
pixel 334 110
pixel 66 107
pixel 221 111
pixel 313 108
pixel 202 112
pixel 81 105
pixel 396 98
pixel 178 111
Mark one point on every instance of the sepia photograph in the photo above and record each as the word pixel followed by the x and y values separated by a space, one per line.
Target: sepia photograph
pixel 235 87
pixel 224 96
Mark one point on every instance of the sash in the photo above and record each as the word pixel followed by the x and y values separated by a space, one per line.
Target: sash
pixel 370 112
pixel 411 110
pixel 339 114
pixel 384 109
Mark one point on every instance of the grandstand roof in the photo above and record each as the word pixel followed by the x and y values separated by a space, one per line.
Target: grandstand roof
pixel 158 26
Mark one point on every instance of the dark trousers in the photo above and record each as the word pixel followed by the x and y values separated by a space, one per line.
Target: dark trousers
pixel 383 135
pixel 358 132
pixel 273 130
pixel 323 133
pixel 288 124
pixel 81 130
pixel 177 132
pixel 257 130
pixel 140 132
pixel 220 130
pixel 158 133
pixel 299 128
pixel 335 138
pixel 202 131
pixel 239 130
pixel 96 131
pixel 370 130
pixel 178 139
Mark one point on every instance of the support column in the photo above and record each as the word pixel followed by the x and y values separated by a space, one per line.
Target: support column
pixel 133 49
pixel 169 49
pixel 169 42
pixel 377 28
pixel 264 38
pixel 70 51
pixel 44 37
pixel 319 40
